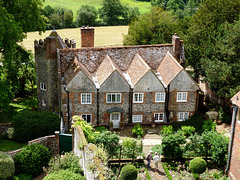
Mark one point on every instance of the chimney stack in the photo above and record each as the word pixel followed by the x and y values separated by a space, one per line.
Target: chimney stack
pixel 176 46
pixel 87 34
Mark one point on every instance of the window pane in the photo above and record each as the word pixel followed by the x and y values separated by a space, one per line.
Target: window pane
pixel 184 96
pixel 113 97
pixel 115 116
pixel 179 96
pixel 108 97
pixel 140 97
pixel 160 116
pixel 84 116
pixel 156 117
pixel 88 118
pixel 89 98
pixel 135 97
pixel 118 98
pixel 181 116
pixel 83 98
pixel 185 115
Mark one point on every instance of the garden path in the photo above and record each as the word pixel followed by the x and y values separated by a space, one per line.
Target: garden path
pixel 149 141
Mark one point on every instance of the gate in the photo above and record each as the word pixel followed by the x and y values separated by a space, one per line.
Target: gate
pixel 65 142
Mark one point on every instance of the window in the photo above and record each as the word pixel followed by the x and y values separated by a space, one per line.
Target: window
pixel 160 97
pixel 86 98
pixel 158 117
pixel 87 117
pixel 114 98
pixel 181 96
pixel 136 118
pixel 44 102
pixel 182 116
pixel 138 97
pixel 43 86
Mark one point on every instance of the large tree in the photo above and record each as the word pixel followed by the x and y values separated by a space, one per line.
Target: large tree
pixel 86 15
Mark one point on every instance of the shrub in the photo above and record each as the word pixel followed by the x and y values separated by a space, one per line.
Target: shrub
pixel 137 130
pixel 32 159
pixel 63 175
pixel 101 129
pixel 167 130
pixel 131 147
pixel 128 172
pixel 198 166
pixel 188 130
pixel 10 133
pixel 23 177
pixel 157 148
pixel 7 167
pixel 30 125
pixel 68 161
pixel 209 125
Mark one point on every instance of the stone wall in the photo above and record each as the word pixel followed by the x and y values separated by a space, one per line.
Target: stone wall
pixel 4 127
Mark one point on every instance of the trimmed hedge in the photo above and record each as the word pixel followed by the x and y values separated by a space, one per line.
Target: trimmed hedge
pixel 31 125
pixel 128 172
pixel 7 167
pixel 198 166
pixel 63 175
pixel 32 159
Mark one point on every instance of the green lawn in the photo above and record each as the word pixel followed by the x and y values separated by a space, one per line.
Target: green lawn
pixel 74 5
pixel 9 145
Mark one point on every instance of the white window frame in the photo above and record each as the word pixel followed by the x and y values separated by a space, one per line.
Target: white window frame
pixel 119 116
pixel 138 97
pixel 182 96
pixel 137 118
pixel 86 102
pixel 182 116
pixel 158 120
pixel 111 94
pixel 162 96
pixel 43 86
pixel 44 103
pixel 86 117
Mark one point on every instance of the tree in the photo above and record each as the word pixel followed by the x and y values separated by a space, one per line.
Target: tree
pixel 111 12
pixel 86 15
pixel 155 27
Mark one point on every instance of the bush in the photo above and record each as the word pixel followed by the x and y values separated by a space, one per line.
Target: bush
pixel 101 129
pixel 68 161
pixel 157 148
pixel 131 148
pixel 128 172
pixel 188 130
pixel 198 166
pixel 7 167
pixel 137 130
pixel 32 159
pixel 23 177
pixel 209 125
pixel 63 175
pixel 167 130
pixel 10 133
pixel 30 125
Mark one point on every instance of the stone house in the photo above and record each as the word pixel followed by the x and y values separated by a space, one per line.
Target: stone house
pixel 143 84
pixel 233 161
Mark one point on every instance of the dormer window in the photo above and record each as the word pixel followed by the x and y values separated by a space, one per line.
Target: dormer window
pixel 182 97
pixel 43 86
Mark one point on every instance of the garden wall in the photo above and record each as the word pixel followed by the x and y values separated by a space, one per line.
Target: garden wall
pixel 4 127
pixel 92 166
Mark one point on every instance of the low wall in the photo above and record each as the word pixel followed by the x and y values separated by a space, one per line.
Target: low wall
pixel 4 127
pixel 92 166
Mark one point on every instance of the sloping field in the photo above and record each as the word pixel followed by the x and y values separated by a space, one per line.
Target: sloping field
pixel 74 5
pixel 104 36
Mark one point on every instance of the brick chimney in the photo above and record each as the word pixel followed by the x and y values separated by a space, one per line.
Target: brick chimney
pixel 176 46
pixel 87 34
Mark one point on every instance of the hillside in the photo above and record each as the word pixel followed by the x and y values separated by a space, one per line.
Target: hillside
pixel 104 36
pixel 74 5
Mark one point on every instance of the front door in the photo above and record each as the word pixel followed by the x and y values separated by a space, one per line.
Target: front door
pixel 115 118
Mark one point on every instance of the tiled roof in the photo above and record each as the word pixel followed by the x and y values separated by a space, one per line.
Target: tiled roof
pixel 169 68
pixel 236 99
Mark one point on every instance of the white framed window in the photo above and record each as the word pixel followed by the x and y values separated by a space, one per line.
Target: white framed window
pixel 43 86
pixel 115 116
pixel 183 116
pixel 158 117
pixel 86 98
pixel 138 97
pixel 44 103
pixel 160 97
pixel 182 97
pixel 87 118
pixel 136 118
pixel 113 98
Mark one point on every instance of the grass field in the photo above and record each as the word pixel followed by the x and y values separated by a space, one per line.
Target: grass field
pixel 104 36
pixel 9 145
pixel 74 5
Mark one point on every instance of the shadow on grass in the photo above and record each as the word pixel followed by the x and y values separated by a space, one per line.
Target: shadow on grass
pixel 9 145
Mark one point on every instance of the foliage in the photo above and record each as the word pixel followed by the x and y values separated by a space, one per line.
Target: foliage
pixel 32 159
pixel 224 115
pixel 157 148
pixel 137 130
pixel 171 145
pixel 198 165
pixel 5 94
pixel 131 147
pixel 167 171
pixel 109 140
pixel 64 174
pixel 155 27
pixel 188 130
pixel 30 125
pixel 101 153
pixel 86 15
pixel 167 130
pixel 128 172
pixel 10 133
pixel 101 129
pixel 209 125
pixel 10 145
pixel 7 167
pixel 23 177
